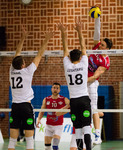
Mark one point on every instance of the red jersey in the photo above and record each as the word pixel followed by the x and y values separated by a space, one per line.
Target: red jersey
pixel 58 103
pixel 96 61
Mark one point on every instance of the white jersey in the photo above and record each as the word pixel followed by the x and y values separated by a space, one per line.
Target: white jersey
pixel 76 76
pixel 21 83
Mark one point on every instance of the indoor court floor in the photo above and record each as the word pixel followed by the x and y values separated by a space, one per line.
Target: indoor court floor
pixel 110 145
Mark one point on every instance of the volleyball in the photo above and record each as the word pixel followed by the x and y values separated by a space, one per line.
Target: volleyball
pixel 94 12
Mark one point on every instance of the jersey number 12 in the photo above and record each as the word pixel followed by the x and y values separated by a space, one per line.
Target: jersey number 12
pixel 19 83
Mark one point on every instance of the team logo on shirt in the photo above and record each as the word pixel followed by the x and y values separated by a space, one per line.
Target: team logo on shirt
pixel 54 119
pixel 48 102
pixel 100 60
pixel 60 103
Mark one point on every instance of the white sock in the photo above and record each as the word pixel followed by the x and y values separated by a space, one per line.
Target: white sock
pixel 97 131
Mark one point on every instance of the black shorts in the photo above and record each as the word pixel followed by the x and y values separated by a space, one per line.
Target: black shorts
pixel 80 111
pixel 22 115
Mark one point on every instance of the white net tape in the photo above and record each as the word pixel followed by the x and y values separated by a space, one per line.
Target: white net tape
pixel 68 110
pixel 59 53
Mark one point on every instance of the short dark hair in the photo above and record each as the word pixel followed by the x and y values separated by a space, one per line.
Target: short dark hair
pixel 75 55
pixel 108 42
pixel 56 83
pixel 17 62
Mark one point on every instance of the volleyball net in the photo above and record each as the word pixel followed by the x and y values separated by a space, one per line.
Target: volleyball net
pixel 59 53
pixel 51 70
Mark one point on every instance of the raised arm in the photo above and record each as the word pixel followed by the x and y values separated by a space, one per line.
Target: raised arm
pixel 40 115
pixel 63 29
pixel 49 34
pixel 97 31
pixel 20 45
pixel 78 28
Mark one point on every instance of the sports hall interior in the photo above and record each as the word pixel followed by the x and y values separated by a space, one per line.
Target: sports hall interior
pixel 40 15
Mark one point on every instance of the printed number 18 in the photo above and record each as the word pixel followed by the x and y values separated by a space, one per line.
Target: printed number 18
pixel 78 79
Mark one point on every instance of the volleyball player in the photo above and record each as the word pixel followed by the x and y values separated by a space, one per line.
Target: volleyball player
pixel 76 73
pixel 22 93
pixel 54 124
pixel 98 64
pixel 73 145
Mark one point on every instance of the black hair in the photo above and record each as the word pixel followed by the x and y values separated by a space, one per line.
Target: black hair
pixel 17 62
pixel 108 42
pixel 75 55
pixel 56 83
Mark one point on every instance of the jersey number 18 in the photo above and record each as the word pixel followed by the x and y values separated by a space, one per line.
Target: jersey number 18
pixel 78 79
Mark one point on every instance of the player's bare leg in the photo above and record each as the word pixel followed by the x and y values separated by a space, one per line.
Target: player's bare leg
pixel 96 122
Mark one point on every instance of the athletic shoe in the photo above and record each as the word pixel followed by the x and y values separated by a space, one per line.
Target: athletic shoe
pixel 22 139
pixel 97 140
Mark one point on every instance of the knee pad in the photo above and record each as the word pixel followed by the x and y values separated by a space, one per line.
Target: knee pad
pixel 12 143
pixel 29 142
pixel 87 130
pixel 94 112
pixel 47 146
pixel 55 143
pixel 87 139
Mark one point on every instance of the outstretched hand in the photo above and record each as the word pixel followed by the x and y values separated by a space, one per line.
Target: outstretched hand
pixel 61 27
pixel 98 6
pixel 58 114
pixel 25 33
pixel 78 26
pixel 49 34
pixel 37 124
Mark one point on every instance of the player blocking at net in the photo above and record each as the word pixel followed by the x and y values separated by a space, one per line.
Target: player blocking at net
pixel 76 73
pixel 20 78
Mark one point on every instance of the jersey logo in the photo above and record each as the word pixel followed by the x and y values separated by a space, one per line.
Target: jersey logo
pixel 100 60
pixel 48 102
pixel 60 103
pixel 54 119
pixel 92 64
